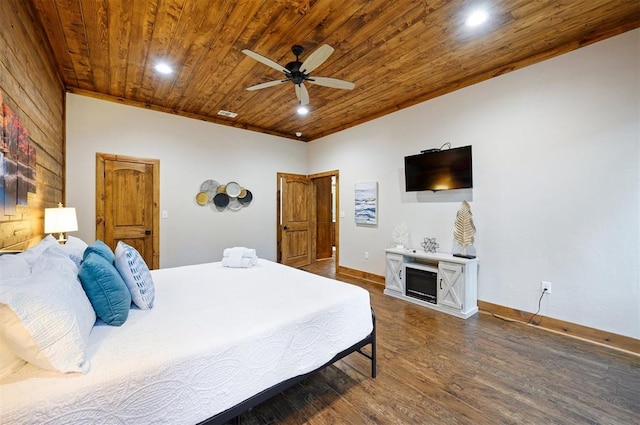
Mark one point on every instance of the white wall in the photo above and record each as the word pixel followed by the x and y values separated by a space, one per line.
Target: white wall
pixel 190 151
pixel 556 197
pixel 556 151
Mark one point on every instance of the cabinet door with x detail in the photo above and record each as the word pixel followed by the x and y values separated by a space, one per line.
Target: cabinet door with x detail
pixel 394 281
pixel 451 285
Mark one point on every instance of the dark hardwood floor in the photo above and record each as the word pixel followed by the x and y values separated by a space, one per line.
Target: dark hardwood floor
pixel 438 369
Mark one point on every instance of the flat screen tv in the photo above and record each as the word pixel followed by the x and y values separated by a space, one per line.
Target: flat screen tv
pixel 439 170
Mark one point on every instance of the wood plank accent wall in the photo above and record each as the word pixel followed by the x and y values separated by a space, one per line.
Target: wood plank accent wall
pixel 32 87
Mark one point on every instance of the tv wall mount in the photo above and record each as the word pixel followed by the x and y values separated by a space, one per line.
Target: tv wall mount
pixel 447 144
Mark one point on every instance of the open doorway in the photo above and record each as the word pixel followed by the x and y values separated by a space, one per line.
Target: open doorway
pixel 307 211
pixel 325 216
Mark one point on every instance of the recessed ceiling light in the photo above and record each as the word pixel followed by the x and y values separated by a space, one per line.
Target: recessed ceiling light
pixel 302 110
pixel 477 18
pixel 163 68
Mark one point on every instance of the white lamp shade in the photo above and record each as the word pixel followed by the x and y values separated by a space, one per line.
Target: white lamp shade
pixel 58 220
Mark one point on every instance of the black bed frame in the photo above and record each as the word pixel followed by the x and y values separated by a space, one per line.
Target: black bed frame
pixel 238 409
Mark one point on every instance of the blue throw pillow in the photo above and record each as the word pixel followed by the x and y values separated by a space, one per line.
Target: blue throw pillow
pixel 101 249
pixel 105 288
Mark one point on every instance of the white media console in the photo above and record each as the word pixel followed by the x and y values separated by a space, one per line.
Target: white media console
pixel 454 290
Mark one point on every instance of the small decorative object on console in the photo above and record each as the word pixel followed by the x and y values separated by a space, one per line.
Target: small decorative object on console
pixel 400 235
pixel 430 245
pixel 464 231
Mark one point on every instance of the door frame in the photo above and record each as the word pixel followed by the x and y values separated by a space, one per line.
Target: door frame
pixel 311 177
pixel 155 208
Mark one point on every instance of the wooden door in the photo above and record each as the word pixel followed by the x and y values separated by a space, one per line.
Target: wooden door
pixel 127 199
pixel 324 217
pixel 296 218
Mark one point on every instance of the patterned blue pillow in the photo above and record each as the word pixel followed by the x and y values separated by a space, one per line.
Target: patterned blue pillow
pixel 136 274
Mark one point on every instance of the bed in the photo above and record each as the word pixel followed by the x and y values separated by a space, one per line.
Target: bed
pixel 217 342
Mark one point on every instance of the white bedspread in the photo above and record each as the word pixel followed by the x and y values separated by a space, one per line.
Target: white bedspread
pixel 215 337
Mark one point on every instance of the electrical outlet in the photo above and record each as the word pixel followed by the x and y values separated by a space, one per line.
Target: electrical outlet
pixel 545 287
pixel 366 255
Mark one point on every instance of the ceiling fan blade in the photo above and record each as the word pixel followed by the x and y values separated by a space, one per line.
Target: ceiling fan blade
pixel 316 58
pixel 265 85
pixel 265 61
pixel 332 82
pixel 302 94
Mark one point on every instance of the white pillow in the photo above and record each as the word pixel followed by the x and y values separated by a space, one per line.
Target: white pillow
pixel 12 265
pixel 136 274
pixel 56 260
pixel 74 248
pixel 46 318
pixel 32 254
pixel 9 362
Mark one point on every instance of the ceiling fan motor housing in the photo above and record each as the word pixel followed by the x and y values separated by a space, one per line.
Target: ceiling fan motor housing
pixel 297 50
pixel 295 75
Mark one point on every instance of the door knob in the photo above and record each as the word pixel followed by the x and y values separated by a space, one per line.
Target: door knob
pixel 147 232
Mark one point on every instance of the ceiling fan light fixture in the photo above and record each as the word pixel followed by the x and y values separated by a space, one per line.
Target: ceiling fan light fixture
pixel 302 110
pixel 476 18
pixel 163 68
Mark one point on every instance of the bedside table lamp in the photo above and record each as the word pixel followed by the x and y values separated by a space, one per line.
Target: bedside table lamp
pixel 60 220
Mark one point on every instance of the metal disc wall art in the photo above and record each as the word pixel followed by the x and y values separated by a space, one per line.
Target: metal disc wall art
pixel 210 187
pixel 245 197
pixel 233 189
pixel 231 196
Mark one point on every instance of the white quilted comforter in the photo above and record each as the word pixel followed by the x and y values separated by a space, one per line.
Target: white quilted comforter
pixel 215 337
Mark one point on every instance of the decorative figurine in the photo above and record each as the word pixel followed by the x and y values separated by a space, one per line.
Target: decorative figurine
pixel 430 245
pixel 464 230
pixel 400 235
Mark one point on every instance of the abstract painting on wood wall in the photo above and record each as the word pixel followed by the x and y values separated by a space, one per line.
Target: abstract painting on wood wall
pixel 17 162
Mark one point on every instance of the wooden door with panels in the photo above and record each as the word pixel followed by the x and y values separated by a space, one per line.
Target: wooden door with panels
pixel 305 230
pixel 295 219
pixel 127 203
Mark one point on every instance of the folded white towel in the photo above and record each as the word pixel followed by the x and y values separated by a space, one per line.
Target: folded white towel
pixel 243 263
pixel 245 252
pixel 235 257
pixel 239 256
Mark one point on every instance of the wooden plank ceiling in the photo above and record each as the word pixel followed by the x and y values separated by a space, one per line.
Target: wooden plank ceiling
pixel 398 53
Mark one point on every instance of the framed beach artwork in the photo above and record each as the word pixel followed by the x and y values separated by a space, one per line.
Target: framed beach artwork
pixel 366 208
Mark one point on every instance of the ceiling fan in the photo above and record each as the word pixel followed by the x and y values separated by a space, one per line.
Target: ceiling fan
pixel 298 72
